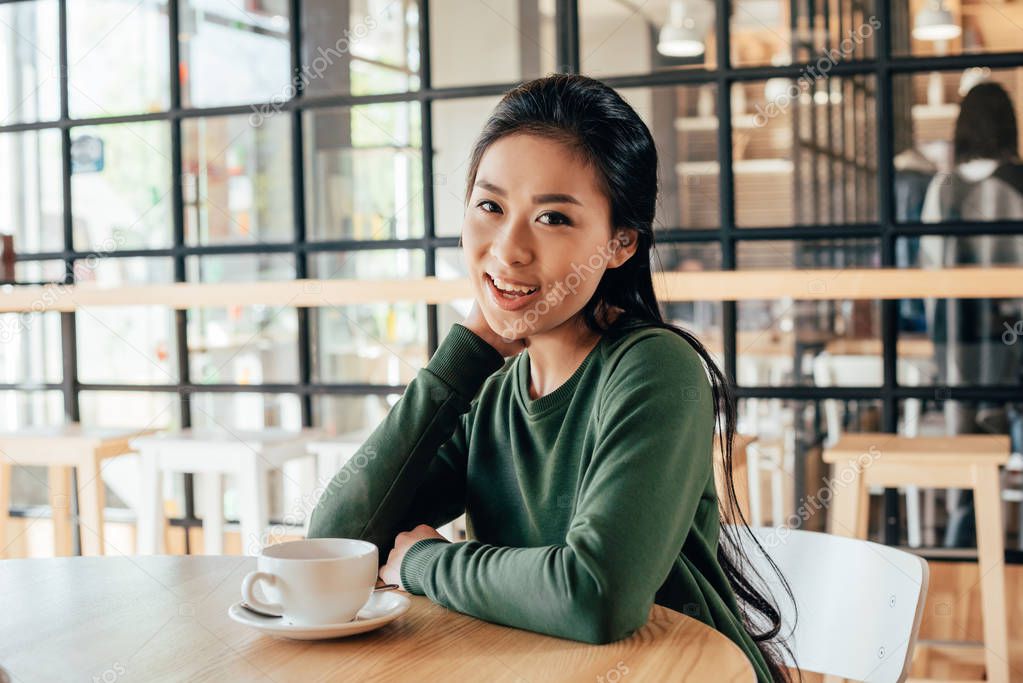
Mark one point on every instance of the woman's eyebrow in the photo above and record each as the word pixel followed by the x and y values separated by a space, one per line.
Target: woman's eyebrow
pixel 556 198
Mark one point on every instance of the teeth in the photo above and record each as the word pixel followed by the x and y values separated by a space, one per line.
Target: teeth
pixel 509 287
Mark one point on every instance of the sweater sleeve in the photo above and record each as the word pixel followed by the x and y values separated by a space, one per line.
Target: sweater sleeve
pixel 412 466
pixel 639 495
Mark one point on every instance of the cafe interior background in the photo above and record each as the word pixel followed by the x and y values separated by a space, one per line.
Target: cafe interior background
pixel 792 134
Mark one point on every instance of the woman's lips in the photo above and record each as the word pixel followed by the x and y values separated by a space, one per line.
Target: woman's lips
pixel 512 303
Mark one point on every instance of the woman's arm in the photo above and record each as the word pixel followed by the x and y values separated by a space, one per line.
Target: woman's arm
pixel 639 497
pixel 414 461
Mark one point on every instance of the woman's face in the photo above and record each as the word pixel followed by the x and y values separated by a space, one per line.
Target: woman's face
pixel 537 235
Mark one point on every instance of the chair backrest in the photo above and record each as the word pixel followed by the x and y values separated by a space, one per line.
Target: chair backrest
pixel 858 603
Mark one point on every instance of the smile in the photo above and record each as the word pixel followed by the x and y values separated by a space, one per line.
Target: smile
pixel 510 295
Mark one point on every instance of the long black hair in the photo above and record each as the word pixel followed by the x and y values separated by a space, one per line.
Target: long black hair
pixel 594 121
pixel 986 125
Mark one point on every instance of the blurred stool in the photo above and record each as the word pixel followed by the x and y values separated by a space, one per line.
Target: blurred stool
pixel 210 454
pixel 60 449
pixel 968 461
pixel 861 370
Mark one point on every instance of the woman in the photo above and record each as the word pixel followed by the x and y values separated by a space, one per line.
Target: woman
pixel 585 463
pixel 985 185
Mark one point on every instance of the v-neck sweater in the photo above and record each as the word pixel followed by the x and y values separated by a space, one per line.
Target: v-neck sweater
pixel 583 507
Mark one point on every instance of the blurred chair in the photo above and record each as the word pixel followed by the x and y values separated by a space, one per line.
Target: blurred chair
pixel 967 461
pixel 856 370
pixel 858 605
pixel 211 455
pixel 770 423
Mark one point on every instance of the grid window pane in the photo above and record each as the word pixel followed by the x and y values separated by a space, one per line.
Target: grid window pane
pixel 969 27
pixel 364 172
pixel 126 345
pixel 31 200
pixel 365 47
pixel 456 125
pixel 961 342
pixel 30 409
pixel 345 414
pixel 803 151
pixel 637 38
pixel 121 186
pixel 117 57
pixel 233 52
pixel 130 409
pixel 242 344
pixel 372 344
pixel 30 351
pixel 957 155
pixel 685 128
pixel 237 412
pixel 29 62
pixel 516 36
pixel 235 182
pixel 779 32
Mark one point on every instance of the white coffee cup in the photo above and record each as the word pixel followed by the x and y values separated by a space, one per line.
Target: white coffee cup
pixel 314 581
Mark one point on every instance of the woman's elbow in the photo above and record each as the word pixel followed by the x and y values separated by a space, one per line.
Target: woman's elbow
pixel 607 620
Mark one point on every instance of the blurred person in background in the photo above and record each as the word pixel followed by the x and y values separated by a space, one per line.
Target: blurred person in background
pixel 986 184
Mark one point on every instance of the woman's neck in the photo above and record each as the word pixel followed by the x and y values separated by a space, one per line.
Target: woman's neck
pixel 557 353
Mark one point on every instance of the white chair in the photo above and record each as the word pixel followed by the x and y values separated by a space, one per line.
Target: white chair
pixel 771 424
pixel 858 604
pixel 858 370
pixel 211 454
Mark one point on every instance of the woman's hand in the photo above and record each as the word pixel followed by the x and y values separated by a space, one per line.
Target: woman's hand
pixel 479 325
pixel 391 571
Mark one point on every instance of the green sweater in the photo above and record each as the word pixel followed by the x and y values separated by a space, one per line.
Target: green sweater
pixel 584 507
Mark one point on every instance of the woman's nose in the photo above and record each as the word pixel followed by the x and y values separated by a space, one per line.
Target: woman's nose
pixel 511 245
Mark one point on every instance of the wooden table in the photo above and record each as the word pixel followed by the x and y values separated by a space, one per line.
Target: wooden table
pixel 62 448
pixel 164 618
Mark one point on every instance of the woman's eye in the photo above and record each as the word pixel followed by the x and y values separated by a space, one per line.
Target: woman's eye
pixel 556 218
pixel 488 203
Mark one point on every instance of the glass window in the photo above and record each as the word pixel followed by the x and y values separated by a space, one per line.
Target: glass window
pixel 957 146
pixel 345 414
pixel 457 123
pixel 29 62
pixel 245 411
pixel 517 38
pixel 31 195
pixel 38 272
pixel 30 351
pixel 635 38
pixel 236 180
pixel 365 47
pixel 121 186
pixel 787 341
pixel 684 124
pixel 961 342
pixel 31 409
pixel 242 344
pixel 126 345
pixel 950 27
pixel 804 151
pixel 376 343
pixel 234 53
pixel 702 318
pixel 779 32
pixel 364 172
pixel 117 57
pixel 131 409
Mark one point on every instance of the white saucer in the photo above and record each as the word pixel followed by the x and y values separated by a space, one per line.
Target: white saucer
pixel 382 608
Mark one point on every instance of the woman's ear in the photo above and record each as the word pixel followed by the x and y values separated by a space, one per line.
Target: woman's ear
pixel 623 246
